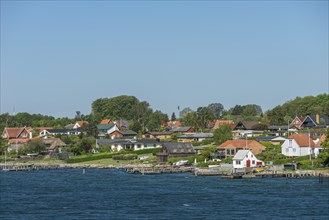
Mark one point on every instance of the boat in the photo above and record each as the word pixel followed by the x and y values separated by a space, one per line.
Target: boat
pixel 180 163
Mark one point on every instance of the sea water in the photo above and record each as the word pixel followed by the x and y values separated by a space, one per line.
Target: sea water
pixel 114 194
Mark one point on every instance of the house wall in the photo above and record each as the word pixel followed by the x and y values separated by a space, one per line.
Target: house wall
pixel 115 134
pixel 243 163
pixel 290 148
pixel 146 146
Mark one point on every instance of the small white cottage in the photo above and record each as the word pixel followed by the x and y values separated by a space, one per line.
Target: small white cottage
pixel 245 158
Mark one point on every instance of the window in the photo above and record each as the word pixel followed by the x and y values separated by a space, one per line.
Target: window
pixel 287 150
pixel 139 145
pixel 253 162
pixel 238 162
pixel 232 151
pixel 228 151
pixel 294 149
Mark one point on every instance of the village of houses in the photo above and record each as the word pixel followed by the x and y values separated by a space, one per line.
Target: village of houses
pixel 243 148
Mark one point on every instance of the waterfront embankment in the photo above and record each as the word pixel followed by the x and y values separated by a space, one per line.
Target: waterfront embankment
pixel 158 169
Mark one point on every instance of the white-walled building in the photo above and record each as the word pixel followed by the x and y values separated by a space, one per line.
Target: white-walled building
pixel 298 145
pixel 245 158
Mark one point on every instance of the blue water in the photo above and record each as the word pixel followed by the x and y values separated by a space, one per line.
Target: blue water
pixel 113 194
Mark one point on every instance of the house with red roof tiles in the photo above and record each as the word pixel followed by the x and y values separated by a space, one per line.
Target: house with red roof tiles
pixel 220 122
pixel 16 137
pixel 18 134
pixel 231 147
pixel 298 145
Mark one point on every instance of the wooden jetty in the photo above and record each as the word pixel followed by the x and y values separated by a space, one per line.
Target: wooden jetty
pixel 156 169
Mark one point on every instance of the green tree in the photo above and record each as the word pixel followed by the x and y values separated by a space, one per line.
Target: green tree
pixel 184 112
pixel 173 116
pixel 222 134
pixel 33 146
pixel 204 115
pixel 323 157
pixel 3 145
pixel 217 109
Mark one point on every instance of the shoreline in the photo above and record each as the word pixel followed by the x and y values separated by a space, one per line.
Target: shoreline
pixel 149 168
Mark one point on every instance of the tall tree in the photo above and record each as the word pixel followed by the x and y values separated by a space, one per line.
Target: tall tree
pixel 204 116
pixel 184 112
pixel 217 109
pixel 222 134
pixel 173 116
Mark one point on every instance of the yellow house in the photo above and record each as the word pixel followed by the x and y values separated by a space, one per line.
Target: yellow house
pixel 158 135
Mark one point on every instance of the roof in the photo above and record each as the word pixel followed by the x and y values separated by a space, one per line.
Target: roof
pixel 178 148
pixel 54 142
pixel 105 126
pixel 219 122
pixel 126 132
pixel 122 123
pixel 69 126
pixel 180 129
pixel 278 127
pixel 302 140
pixel 241 154
pixel 253 145
pixel 19 140
pixel 63 130
pixel 157 133
pixel 174 123
pixel 197 135
pixel 265 138
pixel 106 142
pixel 279 139
pixel 82 123
pixel 14 132
pixel 323 119
pixel 247 124
pixel 105 121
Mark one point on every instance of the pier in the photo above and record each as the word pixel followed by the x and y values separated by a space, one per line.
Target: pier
pixel 158 169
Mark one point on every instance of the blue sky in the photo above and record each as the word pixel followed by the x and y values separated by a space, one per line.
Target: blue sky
pixel 57 57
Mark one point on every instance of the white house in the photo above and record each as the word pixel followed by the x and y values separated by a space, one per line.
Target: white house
pixel 116 145
pixel 245 158
pixel 299 145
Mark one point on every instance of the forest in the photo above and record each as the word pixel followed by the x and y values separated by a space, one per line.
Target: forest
pixel 143 118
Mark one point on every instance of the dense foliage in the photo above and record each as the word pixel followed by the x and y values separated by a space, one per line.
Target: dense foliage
pixel 309 105
pixel 32 120
pixel 141 116
pixel 222 134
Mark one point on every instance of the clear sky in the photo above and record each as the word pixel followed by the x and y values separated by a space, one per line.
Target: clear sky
pixel 57 57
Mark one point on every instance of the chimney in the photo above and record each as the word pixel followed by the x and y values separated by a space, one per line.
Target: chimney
pixel 317 118
pixel 30 135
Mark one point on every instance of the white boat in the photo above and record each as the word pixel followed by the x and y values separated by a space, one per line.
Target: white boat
pixel 180 163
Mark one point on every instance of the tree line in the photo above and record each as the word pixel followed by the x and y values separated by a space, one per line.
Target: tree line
pixel 143 118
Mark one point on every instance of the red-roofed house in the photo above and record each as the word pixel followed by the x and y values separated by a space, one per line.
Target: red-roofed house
pixel 16 137
pixel 220 122
pixel 298 145
pixel 173 124
pixel 231 147
pixel 15 134
pixel 106 121
pixel 297 122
